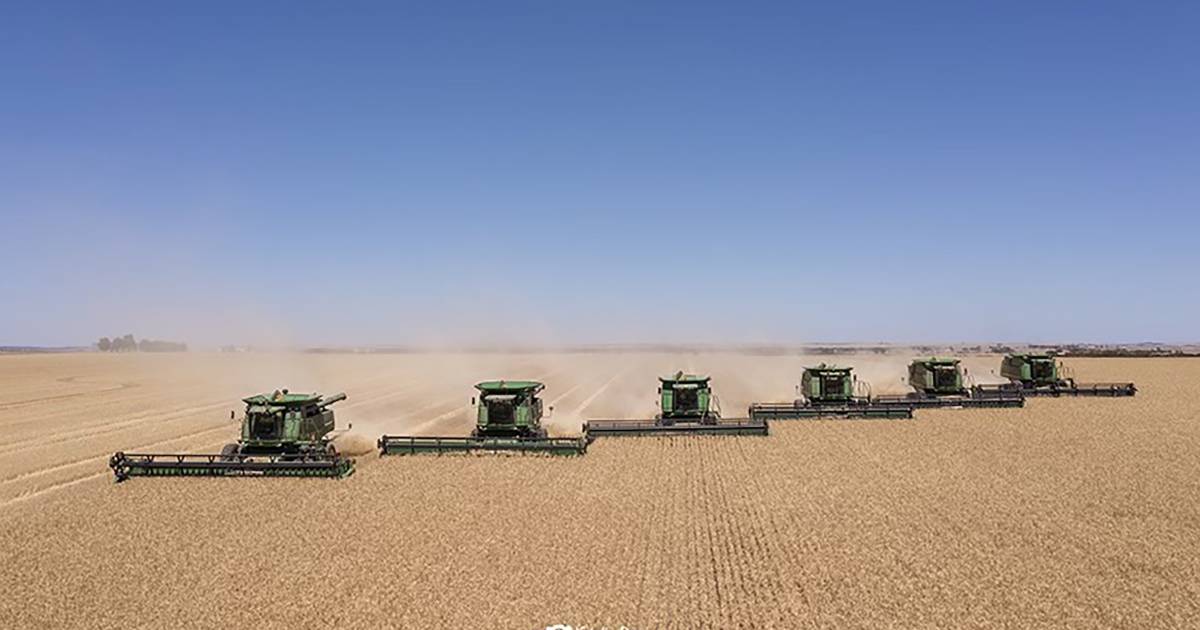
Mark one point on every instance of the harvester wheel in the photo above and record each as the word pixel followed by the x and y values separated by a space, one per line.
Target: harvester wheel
pixel 228 452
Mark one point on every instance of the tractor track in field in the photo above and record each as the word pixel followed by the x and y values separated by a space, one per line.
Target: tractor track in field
pixel 104 429
pixel 34 494
pixel 67 379
pixel 94 458
pixel 96 412
pixel 74 481
pixel 587 402
pixel 61 485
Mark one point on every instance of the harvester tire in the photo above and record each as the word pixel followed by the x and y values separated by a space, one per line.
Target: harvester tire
pixel 228 452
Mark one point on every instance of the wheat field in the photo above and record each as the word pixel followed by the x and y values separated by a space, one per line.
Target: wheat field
pixel 1069 513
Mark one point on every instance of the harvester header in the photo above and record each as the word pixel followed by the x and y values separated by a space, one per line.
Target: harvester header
pixel 943 382
pixel 508 418
pixel 687 405
pixel 1041 374
pixel 829 391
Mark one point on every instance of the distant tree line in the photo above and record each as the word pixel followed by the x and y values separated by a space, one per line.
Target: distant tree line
pixel 128 344
pixel 1118 351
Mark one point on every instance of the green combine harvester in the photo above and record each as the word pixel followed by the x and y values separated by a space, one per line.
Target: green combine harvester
pixel 942 382
pixel 1043 375
pixel 688 407
pixel 282 435
pixel 508 419
pixel 828 391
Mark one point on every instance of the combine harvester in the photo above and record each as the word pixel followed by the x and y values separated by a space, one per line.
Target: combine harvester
pixel 1043 375
pixel 688 407
pixel 283 435
pixel 508 418
pixel 829 391
pixel 942 382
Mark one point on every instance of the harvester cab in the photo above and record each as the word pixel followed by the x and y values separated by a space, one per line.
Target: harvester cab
pixel 509 409
pixel 687 405
pixel 1033 370
pixel 508 418
pixel 282 435
pixel 1043 375
pixel 830 391
pixel 937 376
pixel 284 422
pixel 830 385
pixel 687 397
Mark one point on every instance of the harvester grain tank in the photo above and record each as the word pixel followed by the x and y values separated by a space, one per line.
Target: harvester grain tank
pixel 942 382
pixel 1043 375
pixel 282 435
pixel 508 418
pixel 687 406
pixel 829 391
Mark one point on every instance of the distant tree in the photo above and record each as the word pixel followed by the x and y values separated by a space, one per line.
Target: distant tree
pixel 127 343
pixel 152 345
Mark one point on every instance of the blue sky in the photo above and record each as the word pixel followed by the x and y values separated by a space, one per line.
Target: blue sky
pixel 594 172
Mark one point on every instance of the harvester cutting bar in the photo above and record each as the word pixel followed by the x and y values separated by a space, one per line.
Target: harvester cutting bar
pixel 997 400
pixel 801 411
pixel 728 426
pixel 414 445
pixel 1103 390
pixel 126 465
pixel 1107 390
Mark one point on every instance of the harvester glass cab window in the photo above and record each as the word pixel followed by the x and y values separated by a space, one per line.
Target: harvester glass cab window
pixel 1043 369
pixel 832 384
pixel 500 408
pixel 944 376
pixel 687 397
pixel 266 426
